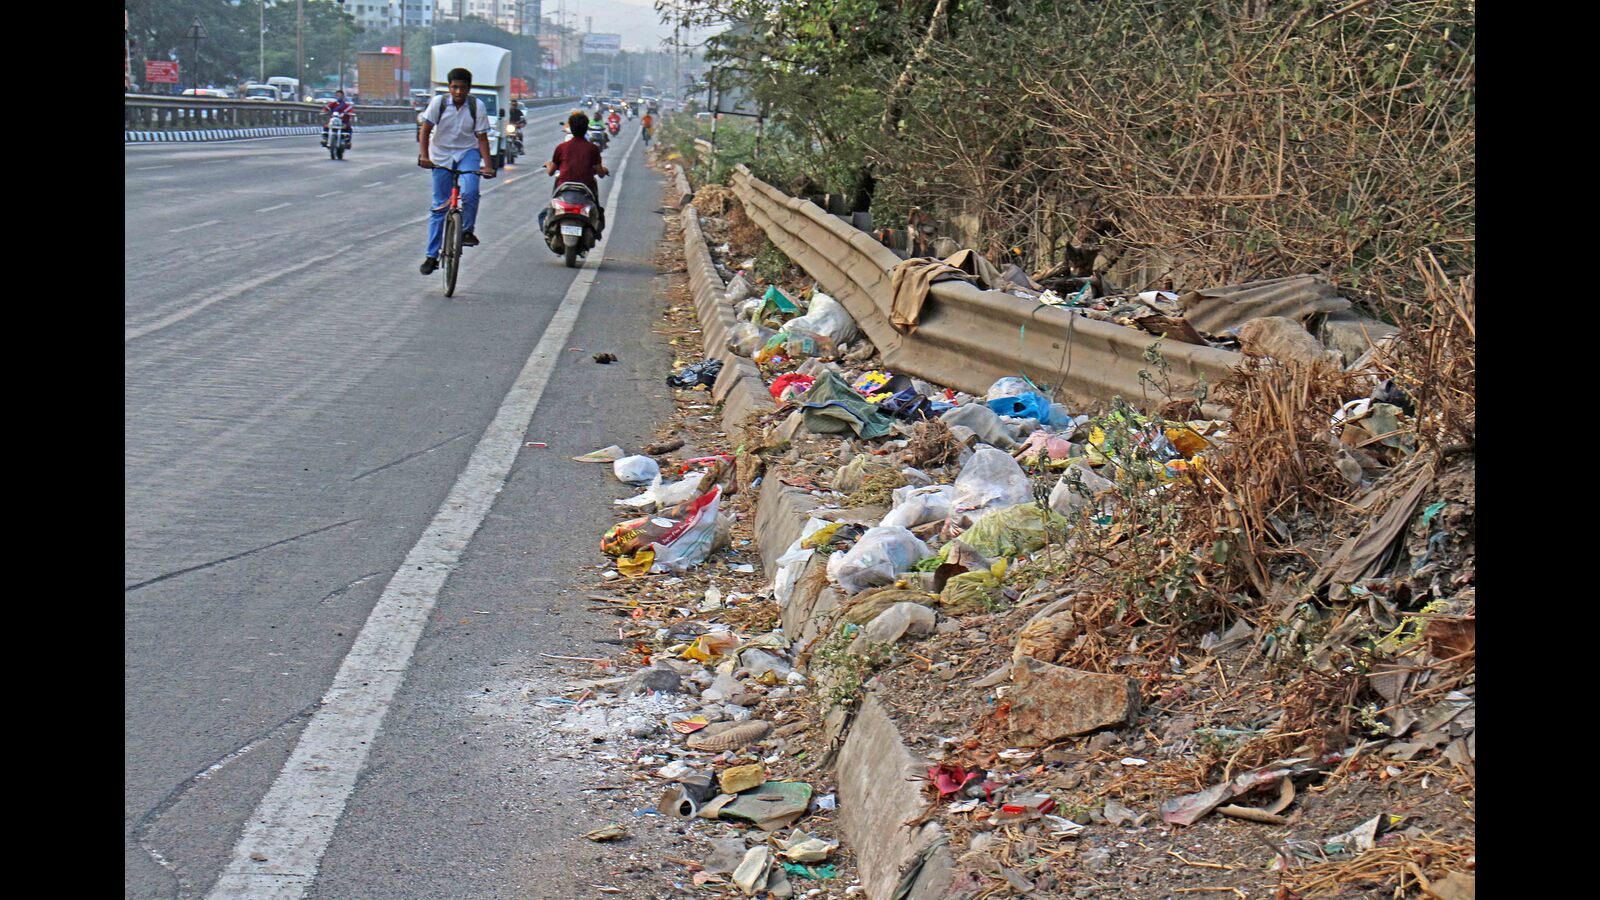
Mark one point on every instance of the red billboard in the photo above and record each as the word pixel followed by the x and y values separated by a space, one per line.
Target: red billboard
pixel 160 72
pixel 519 88
pixel 394 51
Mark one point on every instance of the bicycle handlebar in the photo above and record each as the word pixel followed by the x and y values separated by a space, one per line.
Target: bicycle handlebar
pixel 434 165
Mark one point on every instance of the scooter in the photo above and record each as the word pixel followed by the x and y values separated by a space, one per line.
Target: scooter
pixel 571 224
pixel 336 137
pixel 614 127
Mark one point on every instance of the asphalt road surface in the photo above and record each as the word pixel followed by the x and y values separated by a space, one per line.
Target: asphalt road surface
pixel 305 415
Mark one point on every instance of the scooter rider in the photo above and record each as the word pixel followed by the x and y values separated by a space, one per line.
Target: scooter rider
pixel 346 111
pixel 614 121
pixel 576 159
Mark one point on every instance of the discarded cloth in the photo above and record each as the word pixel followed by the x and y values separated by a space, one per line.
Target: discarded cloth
pixel 831 406
pixel 912 279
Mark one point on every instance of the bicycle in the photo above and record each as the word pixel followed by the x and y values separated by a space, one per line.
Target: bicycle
pixel 450 252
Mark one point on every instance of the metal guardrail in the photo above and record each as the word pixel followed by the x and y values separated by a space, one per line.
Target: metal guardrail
pixel 151 112
pixel 968 338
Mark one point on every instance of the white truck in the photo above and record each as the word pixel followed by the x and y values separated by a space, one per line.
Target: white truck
pixel 491 82
pixel 288 88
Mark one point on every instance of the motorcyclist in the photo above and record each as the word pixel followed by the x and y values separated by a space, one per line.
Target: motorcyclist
pixel 346 111
pixel 614 121
pixel 579 160
pixel 515 117
pixel 645 124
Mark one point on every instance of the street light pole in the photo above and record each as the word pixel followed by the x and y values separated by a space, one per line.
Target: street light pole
pixel 341 45
pixel 300 40
pixel 261 50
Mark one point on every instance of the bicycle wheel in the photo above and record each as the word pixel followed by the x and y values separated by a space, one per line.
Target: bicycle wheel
pixel 452 250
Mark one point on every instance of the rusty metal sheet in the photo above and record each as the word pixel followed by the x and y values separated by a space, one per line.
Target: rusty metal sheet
pixel 1216 310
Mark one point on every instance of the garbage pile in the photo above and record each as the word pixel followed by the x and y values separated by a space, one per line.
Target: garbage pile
pixel 931 568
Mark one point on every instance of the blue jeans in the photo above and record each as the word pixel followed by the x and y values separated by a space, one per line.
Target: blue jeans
pixel 441 199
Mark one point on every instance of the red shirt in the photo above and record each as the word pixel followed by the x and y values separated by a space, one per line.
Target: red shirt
pixel 577 160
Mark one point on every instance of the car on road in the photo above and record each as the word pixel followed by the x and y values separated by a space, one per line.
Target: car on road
pixel 264 93
pixel 205 92
pixel 323 96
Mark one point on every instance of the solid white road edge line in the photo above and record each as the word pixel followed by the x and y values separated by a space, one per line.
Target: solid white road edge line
pixel 281 848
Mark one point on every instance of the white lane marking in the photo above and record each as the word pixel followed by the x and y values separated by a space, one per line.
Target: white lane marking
pixel 193 227
pixel 148 168
pixel 328 194
pixel 373 184
pixel 291 828
pixel 271 208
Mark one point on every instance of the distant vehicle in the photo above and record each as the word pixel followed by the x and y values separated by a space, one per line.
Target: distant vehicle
pixel 265 93
pixel 325 95
pixel 288 88
pixel 491 83
pixel 206 92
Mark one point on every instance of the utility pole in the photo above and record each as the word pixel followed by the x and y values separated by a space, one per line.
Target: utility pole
pixel 341 45
pixel 261 47
pixel 403 84
pixel 300 40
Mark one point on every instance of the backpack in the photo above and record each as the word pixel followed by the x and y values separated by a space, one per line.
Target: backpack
pixel 472 101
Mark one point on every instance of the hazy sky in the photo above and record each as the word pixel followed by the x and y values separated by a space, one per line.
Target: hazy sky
pixel 636 20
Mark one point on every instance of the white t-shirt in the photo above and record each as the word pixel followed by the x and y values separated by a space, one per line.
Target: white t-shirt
pixel 454 132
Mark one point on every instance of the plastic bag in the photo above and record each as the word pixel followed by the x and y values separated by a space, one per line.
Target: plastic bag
pixel 738 289
pixel 915 506
pixel 1009 386
pixel 896 622
pixel 806 344
pixel 1026 405
pixel 829 318
pixel 990 480
pixel 1078 488
pixel 877 558
pixel 793 562
pixel 973 591
pixel 671 540
pixel 986 424
pixel 636 470
pixel 773 349
pixel 703 372
pixel 1012 531
pixel 789 386
pixel 746 338
pixel 658 495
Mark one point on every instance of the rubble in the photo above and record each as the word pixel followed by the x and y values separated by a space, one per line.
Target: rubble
pixel 1051 702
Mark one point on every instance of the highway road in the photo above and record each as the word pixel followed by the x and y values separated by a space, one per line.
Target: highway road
pixel 327 494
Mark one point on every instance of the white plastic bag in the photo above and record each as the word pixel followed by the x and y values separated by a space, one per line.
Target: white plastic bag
pixel 737 289
pixel 827 317
pixel 793 562
pixel 990 480
pixel 664 495
pixel 878 557
pixel 689 542
pixel 745 338
pixel 636 470
pixel 1079 487
pixel 915 506
pixel 894 623
pixel 1009 386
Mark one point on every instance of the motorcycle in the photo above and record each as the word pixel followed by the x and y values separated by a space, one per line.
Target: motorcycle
pixel 513 142
pixel 336 136
pixel 571 224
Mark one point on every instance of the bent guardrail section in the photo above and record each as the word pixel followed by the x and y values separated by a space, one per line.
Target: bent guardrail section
pixel 968 338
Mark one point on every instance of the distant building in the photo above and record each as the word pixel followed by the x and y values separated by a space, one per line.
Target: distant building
pixel 514 16
pixel 386 13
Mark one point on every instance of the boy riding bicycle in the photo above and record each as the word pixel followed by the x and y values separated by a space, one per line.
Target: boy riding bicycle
pixel 455 135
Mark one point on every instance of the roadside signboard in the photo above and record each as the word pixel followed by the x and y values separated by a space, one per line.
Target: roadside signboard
pixel 159 71
pixel 602 44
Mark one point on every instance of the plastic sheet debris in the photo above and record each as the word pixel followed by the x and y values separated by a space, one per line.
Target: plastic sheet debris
pixel 1012 531
pixel 659 495
pixel 1028 405
pixel 828 318
pixel 747 338
pixel 879 557
pixel 612 832
pixel 704 372
pixel 773 805
pixel 676 538
pixel 990 480
pixel 636 470
pixel 897 621
pixel 830 406
pixel 915 506
pixel 604 455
